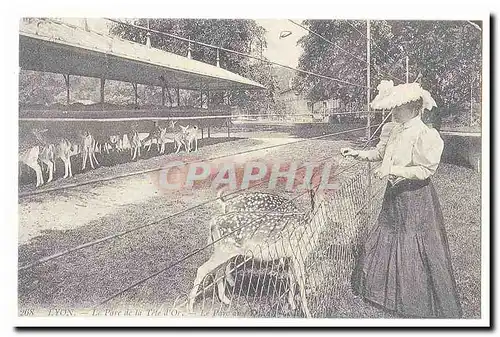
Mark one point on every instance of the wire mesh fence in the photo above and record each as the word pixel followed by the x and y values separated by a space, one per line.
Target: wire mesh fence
pixel 285 263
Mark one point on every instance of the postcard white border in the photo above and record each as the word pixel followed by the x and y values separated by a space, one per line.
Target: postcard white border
pixel 424 9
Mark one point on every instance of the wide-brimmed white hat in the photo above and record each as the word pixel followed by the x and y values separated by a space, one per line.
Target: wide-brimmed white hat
pixel 390 96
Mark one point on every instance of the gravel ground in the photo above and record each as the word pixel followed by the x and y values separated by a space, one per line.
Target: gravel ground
pixel 55 221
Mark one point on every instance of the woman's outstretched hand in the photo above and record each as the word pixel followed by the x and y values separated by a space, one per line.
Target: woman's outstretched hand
pixel 378 173
pixel 348 152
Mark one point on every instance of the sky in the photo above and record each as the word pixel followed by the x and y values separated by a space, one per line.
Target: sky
pixel 284 51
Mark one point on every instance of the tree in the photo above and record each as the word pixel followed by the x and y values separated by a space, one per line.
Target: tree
pixel 447 54
pixel 323 58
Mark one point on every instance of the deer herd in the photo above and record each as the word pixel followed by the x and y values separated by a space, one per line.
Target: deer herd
pixel 43 150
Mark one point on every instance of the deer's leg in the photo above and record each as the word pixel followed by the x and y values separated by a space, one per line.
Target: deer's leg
pixel 50 169
pixel 66 170
pixel 90 158
pixel 70 170
pixel 221 283
pixel 221 290
pixel 95 159
pixel 38 170
pixel 215 261
pixel 229 275
pixel 178 147
pixel 299 271
pixel 85 155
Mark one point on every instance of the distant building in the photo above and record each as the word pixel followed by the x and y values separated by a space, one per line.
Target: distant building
pixel 296 103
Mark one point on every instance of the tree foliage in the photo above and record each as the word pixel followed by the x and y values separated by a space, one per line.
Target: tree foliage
pixel 447 54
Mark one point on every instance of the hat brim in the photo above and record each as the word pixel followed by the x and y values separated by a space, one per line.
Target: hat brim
pixel 392 97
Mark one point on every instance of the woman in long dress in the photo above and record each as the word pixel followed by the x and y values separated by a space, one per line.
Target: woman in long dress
pixel 405 264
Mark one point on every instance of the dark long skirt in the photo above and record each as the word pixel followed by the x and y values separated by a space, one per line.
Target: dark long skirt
pixel 405 264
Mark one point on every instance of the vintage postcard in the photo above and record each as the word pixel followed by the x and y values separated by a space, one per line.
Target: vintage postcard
pixel 180 170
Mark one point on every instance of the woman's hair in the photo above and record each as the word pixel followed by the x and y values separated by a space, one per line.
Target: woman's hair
pixel 416 106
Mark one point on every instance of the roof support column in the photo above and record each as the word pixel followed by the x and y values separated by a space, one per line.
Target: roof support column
pixel 163 94
pixel 103 80
pixel 189 51
pixel 66 80
pixel 208 102
pixel 136 95
pixel 169 96
pixel 178 97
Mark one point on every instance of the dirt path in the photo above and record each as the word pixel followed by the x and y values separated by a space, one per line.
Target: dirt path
pixel 75 207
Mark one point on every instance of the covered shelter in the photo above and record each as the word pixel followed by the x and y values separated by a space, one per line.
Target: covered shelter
pixel 54 46
pixel 49 45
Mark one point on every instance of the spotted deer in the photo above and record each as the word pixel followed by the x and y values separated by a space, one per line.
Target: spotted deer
pixel 135 145
pixel 46 154
pixel 192 135
pixel 41 150
pixel 155 136
pixel 30 155
pixel 87 146
pixel 179 137
pixel 64 150
pixel 273 227
pixel 258 201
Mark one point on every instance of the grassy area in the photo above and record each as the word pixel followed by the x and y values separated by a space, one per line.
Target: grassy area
pixel 459 190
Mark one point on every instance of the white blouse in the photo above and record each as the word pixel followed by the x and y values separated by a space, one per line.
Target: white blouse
pixel 410 150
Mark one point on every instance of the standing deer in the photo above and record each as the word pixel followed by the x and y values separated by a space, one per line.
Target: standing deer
pixel 46 154
pixel 65 150
pixel 155 136
pixel 264 223
pixel 88 145
pixel 135 145
pixel 43 150
pixel 29 157
pixel 179 137
pixel 192 135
